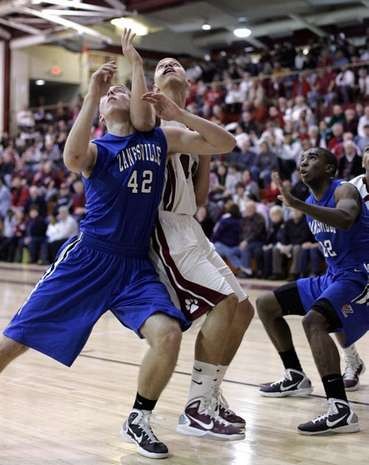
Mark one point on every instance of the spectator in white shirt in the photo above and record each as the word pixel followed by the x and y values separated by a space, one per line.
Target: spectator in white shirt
pixel 299 107
pixel 345 82
pixel 233 177
pixel 363 121
pixel 60 231
pixel 363 82
pixel 5 199
pixel 25 118
pixel 362 142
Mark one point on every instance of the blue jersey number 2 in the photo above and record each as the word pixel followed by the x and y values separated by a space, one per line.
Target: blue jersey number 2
pixel 327 248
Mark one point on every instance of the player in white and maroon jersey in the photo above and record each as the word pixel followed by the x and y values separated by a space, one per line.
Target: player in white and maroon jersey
pixel 354 365
pixel 361 182
pixel 198 280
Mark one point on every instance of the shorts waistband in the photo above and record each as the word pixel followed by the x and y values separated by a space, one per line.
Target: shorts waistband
pixel 110 247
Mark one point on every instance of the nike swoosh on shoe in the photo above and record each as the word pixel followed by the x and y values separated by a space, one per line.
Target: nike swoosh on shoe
pixel 283 388
pixel 331 424
pixel 207 426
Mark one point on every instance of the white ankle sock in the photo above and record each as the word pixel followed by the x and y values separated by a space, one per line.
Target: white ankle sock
pixel 221 373
pixel 204 380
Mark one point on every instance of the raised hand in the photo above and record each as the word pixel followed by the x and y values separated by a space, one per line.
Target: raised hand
pixel 128 49
pixel 164 107
pixel 101 79
pixel 286 197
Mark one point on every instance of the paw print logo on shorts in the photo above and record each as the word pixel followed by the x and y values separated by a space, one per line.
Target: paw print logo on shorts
pixel 192 305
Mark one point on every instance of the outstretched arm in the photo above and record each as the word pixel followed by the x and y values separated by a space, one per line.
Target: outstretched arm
pixel 343 216
pixel 142 114
pixel 79 154
pixel 205 137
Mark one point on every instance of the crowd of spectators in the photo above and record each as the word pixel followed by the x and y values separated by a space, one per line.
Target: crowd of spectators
pixel 41 203
pixel 286 102
pixel 278 105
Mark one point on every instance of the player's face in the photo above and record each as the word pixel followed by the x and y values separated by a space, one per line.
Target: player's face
pixel 117 99
pixel 312 166
pixel 168 70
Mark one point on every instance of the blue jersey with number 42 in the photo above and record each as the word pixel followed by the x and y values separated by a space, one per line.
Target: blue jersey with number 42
pixel 341 248
pixel 125 187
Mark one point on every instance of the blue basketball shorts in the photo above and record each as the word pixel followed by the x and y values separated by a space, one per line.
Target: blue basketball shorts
pixel 348 293
pixel 87 279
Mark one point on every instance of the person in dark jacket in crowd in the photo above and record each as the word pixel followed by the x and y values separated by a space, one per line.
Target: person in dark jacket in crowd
pixel 266 163
pixel 226 235
pixel 253 236
pixel 35 238
pixel 350 164
pixel 294 235
pixel 35 199
pixel 273 236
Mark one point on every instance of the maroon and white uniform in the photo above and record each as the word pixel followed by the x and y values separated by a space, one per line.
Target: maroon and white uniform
pixel 195 275
pixel 360 183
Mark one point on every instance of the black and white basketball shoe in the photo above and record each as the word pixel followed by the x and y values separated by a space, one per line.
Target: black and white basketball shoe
pixel 338 419
pixel 137 429
pixel 294 383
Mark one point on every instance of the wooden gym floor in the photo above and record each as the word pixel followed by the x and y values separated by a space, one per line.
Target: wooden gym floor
pixel 52 415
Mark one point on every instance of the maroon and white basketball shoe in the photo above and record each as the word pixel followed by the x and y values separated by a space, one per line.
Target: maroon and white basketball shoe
pixel 202 420
pixel 226 413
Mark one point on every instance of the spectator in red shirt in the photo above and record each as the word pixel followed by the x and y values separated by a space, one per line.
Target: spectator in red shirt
pixel 337 136
pixel 20 192
pixel 78 199
pixel 301 87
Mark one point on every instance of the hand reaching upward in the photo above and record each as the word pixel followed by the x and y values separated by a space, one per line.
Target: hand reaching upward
pixel 128 48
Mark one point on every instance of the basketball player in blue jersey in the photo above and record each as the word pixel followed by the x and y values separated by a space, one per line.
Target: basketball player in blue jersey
pixel 107 267
pixel 334 302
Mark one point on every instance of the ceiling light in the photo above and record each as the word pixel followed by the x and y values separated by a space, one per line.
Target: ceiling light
pixel 242 32
pixel 306 51
pixel 40 82
pixel 130 23
pixel 206 27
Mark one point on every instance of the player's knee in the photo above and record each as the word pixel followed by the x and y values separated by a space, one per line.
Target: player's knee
pixel 266 307
pixel 226 310
pixel 247 309
pixel 169 338
pixel 313 321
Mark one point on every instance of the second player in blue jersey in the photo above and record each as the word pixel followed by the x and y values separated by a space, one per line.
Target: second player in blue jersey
pixel 333 302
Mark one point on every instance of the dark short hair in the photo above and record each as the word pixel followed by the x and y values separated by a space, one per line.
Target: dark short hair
pixel 233 209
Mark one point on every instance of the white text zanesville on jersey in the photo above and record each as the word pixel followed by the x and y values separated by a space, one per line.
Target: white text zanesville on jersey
pixel 140 152
pixel 318 227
